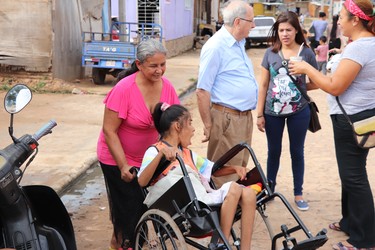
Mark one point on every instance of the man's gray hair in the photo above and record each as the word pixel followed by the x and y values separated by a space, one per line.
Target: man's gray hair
pixel 233 9
pixel 149 48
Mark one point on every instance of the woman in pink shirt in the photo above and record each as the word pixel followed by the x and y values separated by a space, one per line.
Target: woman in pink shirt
pixel 128 129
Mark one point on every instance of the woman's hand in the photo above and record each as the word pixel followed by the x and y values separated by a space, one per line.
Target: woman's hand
pixel 170 153
pixel 126 174
pixel 334 51
pixel 261 123
pixel 296 68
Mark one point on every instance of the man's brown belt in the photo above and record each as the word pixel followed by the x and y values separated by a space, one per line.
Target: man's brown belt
pixel 229 110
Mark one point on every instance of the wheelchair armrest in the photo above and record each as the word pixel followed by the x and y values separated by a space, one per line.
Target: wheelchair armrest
pixel 227 156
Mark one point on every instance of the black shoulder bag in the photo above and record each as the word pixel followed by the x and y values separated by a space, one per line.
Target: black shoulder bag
pixel 314 124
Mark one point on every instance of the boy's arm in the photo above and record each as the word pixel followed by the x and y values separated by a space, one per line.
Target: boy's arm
pixel 317 50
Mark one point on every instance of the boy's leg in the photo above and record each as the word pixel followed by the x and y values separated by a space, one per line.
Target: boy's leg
pixel 248 205
pixel 229 207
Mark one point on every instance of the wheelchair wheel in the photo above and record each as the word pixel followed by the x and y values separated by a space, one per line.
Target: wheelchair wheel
pixel 262 231
pixel 157 230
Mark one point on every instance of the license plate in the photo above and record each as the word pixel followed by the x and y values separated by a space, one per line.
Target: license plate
pixel 110 63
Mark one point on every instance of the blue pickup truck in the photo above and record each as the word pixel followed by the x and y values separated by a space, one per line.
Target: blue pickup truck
pixel 110 53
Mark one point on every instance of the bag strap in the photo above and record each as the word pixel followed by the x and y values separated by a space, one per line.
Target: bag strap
pixel 284 64
pixel 343 111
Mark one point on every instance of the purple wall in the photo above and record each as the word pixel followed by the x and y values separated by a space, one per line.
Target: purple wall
pixel 176 21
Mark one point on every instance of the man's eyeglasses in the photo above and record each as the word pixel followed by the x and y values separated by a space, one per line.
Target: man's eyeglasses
pixel 247 20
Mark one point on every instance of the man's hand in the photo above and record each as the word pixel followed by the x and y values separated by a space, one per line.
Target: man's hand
pixel 206 133
pixel 204 103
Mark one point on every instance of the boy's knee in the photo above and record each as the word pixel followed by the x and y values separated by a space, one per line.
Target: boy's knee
pixel 234 190
pixel 248 196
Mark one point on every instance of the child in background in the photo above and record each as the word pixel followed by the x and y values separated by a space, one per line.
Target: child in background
pixel 322 54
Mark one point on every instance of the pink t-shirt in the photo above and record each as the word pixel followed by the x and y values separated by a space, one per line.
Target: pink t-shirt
pixel 322 51
pixel 137 131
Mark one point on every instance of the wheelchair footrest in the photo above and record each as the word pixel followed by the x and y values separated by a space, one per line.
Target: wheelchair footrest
pixel 311 243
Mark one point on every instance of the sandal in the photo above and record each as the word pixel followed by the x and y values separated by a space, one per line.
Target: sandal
pixel 335 226
pixel 340 246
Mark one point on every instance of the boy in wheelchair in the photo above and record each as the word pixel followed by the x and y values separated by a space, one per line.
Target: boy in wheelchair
pixel 174 125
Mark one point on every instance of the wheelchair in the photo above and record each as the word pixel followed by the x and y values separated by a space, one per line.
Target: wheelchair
pixel 178 220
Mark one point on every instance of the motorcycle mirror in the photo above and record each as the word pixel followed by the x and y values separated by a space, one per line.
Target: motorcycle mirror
pixel 17 98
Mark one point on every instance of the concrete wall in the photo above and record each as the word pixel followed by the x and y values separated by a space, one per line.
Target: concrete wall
pixel 179 45
pixel 26 35
pixel 45 35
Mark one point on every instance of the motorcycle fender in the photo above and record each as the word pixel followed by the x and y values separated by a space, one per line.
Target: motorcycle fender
pixel 51 212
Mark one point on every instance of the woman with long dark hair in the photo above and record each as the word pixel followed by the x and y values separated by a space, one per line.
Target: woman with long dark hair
pixel 334 36
pixel 280 102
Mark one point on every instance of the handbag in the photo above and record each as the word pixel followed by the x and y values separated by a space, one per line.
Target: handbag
pixel 314 124
pixel 363 130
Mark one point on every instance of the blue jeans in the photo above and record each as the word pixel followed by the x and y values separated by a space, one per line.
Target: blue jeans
pixel 297 128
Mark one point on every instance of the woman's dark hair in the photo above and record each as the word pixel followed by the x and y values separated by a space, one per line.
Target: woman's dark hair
pixel 286 17
pixel 164 115
pixel 333 34
pixel 126 72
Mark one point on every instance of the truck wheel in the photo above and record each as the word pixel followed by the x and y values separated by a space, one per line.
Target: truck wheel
pixel 247 43
pixel 98 75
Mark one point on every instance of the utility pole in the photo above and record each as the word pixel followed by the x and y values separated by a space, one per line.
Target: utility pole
pixel 122 18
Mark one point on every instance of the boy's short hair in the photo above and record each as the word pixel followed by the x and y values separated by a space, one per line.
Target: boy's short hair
pixel 323 39
pixel 322 14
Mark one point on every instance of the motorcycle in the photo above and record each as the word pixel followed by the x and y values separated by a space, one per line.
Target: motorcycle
pixel 31 217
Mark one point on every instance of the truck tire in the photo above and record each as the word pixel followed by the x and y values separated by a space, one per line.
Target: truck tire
pixel 247 43
pixel 98 75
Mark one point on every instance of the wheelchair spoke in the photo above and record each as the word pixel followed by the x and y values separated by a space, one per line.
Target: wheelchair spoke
pixel 157 230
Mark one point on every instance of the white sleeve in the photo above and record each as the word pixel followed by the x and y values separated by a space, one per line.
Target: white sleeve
pixel 149 155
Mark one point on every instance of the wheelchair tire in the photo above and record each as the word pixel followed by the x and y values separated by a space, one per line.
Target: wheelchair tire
pixel 157 230
pixel 262 230
pixel 263 216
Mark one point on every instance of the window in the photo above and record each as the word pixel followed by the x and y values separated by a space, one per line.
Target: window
pixel 148 11
pixel 188 4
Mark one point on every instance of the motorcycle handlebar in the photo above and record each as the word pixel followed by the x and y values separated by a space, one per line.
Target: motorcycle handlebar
pixel 46 129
